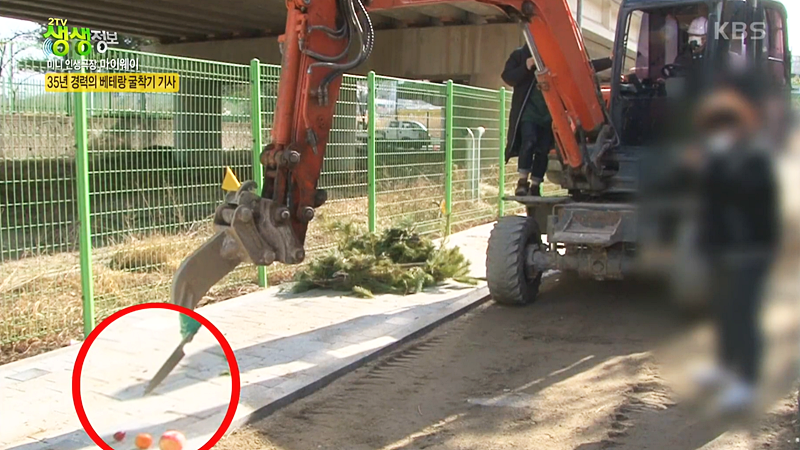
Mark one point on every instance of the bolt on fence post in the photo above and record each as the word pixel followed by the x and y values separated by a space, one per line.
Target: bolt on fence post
pixel 502 157
pixel 255 123
pixel 84 212
pixel 372 194
pixel 448 158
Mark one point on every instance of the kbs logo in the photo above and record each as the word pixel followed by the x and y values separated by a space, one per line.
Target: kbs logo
pixel 740 30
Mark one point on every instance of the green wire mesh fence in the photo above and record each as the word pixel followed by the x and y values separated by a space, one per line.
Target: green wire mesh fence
pixel 154 163
pixel 38 209
pixel 476 147
pixel 410 153
pixel 154 176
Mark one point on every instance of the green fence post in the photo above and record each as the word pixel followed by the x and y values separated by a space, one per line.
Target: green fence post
pixel 255 123
pixel 372 192
pixel 502 157
pixel 448 157
pixel 84 216
pixel 11 97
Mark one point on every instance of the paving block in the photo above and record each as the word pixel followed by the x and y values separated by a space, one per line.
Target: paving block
pixel 28 374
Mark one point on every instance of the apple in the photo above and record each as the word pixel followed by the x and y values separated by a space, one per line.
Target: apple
pixel 119 436
pixel 144 440
pixel 172 440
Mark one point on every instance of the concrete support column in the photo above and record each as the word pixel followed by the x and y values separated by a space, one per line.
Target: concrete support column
pixel 197 139
pixel 344 152
pixel 197 120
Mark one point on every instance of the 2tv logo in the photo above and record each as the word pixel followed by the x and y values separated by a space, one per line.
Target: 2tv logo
pixel 47 47
pixel 59 37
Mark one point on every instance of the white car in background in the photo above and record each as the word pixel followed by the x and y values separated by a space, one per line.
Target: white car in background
pixel 403 133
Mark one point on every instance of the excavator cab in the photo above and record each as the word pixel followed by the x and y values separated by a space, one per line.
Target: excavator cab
pixel 662 73
pixel 656 45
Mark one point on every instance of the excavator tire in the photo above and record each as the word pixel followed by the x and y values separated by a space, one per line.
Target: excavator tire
pixel 505 261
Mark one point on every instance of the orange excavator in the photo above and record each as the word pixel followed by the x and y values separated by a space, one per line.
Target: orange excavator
pixel 599 133
pixel 323 40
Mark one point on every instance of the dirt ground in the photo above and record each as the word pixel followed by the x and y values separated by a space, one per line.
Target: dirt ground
pixel 589 366
pixel 583 368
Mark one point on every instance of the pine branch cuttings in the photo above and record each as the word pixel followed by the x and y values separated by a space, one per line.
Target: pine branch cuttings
pixel 395 261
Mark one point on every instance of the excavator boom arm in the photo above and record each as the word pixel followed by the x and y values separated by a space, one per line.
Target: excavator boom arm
pixel 325 38
pixel 309 88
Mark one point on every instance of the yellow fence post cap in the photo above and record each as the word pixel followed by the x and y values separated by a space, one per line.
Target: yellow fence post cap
pixel 230 183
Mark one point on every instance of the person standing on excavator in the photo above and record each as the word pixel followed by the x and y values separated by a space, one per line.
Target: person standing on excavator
pixel 530 132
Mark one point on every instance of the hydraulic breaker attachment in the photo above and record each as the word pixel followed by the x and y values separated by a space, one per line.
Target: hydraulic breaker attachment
pixel 249 229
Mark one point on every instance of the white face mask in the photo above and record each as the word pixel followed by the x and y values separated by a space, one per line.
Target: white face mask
pixel 721 141
pixel 696 41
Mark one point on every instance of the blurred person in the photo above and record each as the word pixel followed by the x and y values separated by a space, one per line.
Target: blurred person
pixel 739 234
pixel 530 132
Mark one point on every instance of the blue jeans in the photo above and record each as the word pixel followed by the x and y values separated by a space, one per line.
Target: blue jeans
pixel 537 141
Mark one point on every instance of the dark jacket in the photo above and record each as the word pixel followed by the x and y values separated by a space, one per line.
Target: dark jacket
pixel 687 59
pixel 690 64
pixel 741 209
pixel 523 81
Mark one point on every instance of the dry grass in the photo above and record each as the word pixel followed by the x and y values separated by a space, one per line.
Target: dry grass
pixel 41 304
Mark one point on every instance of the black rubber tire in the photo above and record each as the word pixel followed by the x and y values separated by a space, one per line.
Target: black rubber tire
pixel 505 261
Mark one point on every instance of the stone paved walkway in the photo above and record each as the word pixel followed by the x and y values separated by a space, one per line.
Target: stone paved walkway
pixel 286 346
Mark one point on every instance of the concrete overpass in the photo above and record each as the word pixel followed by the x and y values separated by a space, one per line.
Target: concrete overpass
pixel 466 42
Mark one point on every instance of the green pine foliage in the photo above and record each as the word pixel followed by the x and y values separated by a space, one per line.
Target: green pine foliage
pixel 396 261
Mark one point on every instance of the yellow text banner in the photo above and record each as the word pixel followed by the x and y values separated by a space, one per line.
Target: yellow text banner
pixel 111 82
